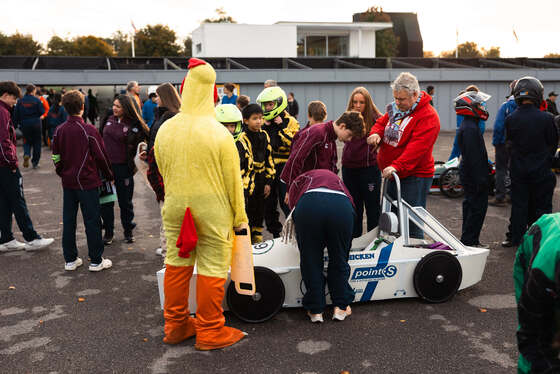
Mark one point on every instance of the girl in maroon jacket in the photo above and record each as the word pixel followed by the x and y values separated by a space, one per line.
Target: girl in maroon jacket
pixel 315 148
pixel 359 164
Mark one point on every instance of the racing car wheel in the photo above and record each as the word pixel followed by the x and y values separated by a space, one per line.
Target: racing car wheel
pixel 437 277
pixel 264 304
pixel 450 183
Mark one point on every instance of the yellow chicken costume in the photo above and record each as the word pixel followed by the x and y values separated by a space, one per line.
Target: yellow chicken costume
pixel 199 163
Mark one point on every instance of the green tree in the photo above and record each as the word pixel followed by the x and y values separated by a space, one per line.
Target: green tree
pixel 552 55
pixel 92 46
pixel 493 52
pixel 19 45
pixel 187 47
pixel 157 40
pixel 386 42
pixel 120 43
pixel 60 47
pixel 468 50
pixel 220 17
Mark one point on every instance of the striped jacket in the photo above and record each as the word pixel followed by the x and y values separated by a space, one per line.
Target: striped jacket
pixel 257 166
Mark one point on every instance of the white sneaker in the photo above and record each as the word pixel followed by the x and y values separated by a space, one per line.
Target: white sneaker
pixel 340 315
pixel 315 318
pixel 69 266
pixel 105 264
pixel 38 244
pixel 13 245
pixel 161 252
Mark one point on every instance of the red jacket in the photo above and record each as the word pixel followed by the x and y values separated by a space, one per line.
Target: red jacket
pixel 8 154
pixel 314 148
pixel 409 150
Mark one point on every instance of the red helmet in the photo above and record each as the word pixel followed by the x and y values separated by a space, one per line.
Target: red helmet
pixel 471 103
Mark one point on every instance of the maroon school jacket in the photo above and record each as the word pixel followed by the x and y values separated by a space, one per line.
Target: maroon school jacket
pixel 314 148
pixel 79 155
pixel 8 153
pixel 318 178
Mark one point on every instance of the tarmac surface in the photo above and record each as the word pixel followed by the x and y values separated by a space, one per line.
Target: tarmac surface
pixel 52 321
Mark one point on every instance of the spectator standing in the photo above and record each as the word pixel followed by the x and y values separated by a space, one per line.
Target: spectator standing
pixel 455 151
pixel 149 109
pixel 532 139
pixel 359 164
pixel 501 152
pixel 430 90
pixel 27 116
pixel 473 169
pixel 169 104
pixel 242 102
pixel 46 106
pixel 229 96
pixel 79 157
pixel 551 103
pixel 57 116
pixel 12 200
pixel 121 133
pixel 406 135
pixel 93 111
pixel 270 83
pixel 293 107
pixel 133 91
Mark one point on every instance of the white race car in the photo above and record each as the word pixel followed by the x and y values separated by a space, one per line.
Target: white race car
pixel 385 263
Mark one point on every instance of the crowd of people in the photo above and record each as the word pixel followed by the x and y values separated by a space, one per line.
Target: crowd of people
pixel 218 164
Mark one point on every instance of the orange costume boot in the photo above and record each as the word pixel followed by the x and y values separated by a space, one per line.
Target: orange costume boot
pixel 210 330
pixel 179 326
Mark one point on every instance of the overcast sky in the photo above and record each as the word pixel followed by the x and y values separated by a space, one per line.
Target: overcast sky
pixel 488 23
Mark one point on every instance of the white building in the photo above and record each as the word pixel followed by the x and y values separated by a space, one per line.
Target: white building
pixel 287 39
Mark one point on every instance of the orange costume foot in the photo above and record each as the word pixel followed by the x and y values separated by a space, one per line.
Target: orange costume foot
pixel 210 330
pixel 179 326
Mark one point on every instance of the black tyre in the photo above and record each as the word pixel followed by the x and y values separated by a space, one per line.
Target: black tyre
pixel 450 183
pixel 264 304
pixel 439 162
pixel 437 277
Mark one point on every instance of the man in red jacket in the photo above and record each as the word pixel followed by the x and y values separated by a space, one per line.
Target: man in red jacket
pixel 79 157
pixel 405 136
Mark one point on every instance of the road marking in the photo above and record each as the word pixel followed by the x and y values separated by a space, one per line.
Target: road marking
pixel 494 301
pixel 312 347
pixel 21 346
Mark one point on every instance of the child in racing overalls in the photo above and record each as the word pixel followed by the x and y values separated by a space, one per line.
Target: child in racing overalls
pixel 537 286
pixel 257 168
pixel 281 128
pixel 474 164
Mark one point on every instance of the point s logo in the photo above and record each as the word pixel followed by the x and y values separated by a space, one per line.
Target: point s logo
pixel 379 272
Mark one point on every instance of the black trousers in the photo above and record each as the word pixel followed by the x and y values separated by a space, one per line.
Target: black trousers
pixel 12 202
pixel 255 212
pixel 124 184
pixel 475 206
pixel 529 201
pixel 88 202
pixel 277 195
pixel 364 184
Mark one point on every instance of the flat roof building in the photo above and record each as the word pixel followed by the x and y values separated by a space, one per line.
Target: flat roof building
pixel 287 39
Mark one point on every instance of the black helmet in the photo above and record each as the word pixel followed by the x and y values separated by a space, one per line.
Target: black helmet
pixel 471 103
pixel 528 88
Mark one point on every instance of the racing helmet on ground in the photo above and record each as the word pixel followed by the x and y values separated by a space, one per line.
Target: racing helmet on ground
pixel 471 103
pixel 229 113
pixel 275 95
pixel 528 88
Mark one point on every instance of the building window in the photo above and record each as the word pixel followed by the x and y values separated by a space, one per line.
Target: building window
pixel 338 45
pixel 198 47
pixel 316 46
pixel 301 46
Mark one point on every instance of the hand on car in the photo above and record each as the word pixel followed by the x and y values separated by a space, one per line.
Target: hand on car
pixel 388 172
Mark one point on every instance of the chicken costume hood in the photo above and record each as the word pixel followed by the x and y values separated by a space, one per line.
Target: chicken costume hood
pixel 199 163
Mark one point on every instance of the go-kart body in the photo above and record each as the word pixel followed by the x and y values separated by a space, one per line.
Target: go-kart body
pixel 385 263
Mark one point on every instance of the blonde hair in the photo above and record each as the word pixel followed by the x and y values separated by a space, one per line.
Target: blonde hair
pixel 168 97
pixel 370 113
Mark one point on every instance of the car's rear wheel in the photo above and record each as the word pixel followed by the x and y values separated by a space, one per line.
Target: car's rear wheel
pixel 437 277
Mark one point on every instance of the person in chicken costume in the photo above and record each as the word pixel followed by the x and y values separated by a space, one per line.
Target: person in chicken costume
pixel 199 163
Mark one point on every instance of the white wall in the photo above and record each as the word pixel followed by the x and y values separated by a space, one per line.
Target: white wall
pixel 367 47
pixel 239 40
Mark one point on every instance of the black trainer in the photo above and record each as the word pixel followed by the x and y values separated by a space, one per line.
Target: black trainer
pixel 128 237
pixel 108 238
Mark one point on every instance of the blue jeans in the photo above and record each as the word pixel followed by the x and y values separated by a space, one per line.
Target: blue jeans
pixel 88 201
pixel 324 220
pixel 124 184
pixel 13 202
pixel 414 191
pixel 364 184
pixel 455 151
pixel 32 135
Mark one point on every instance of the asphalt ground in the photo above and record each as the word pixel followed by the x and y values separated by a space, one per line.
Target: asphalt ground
pixel 52 321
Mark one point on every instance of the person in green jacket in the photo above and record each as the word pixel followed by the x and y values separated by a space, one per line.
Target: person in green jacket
pixel 536 274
